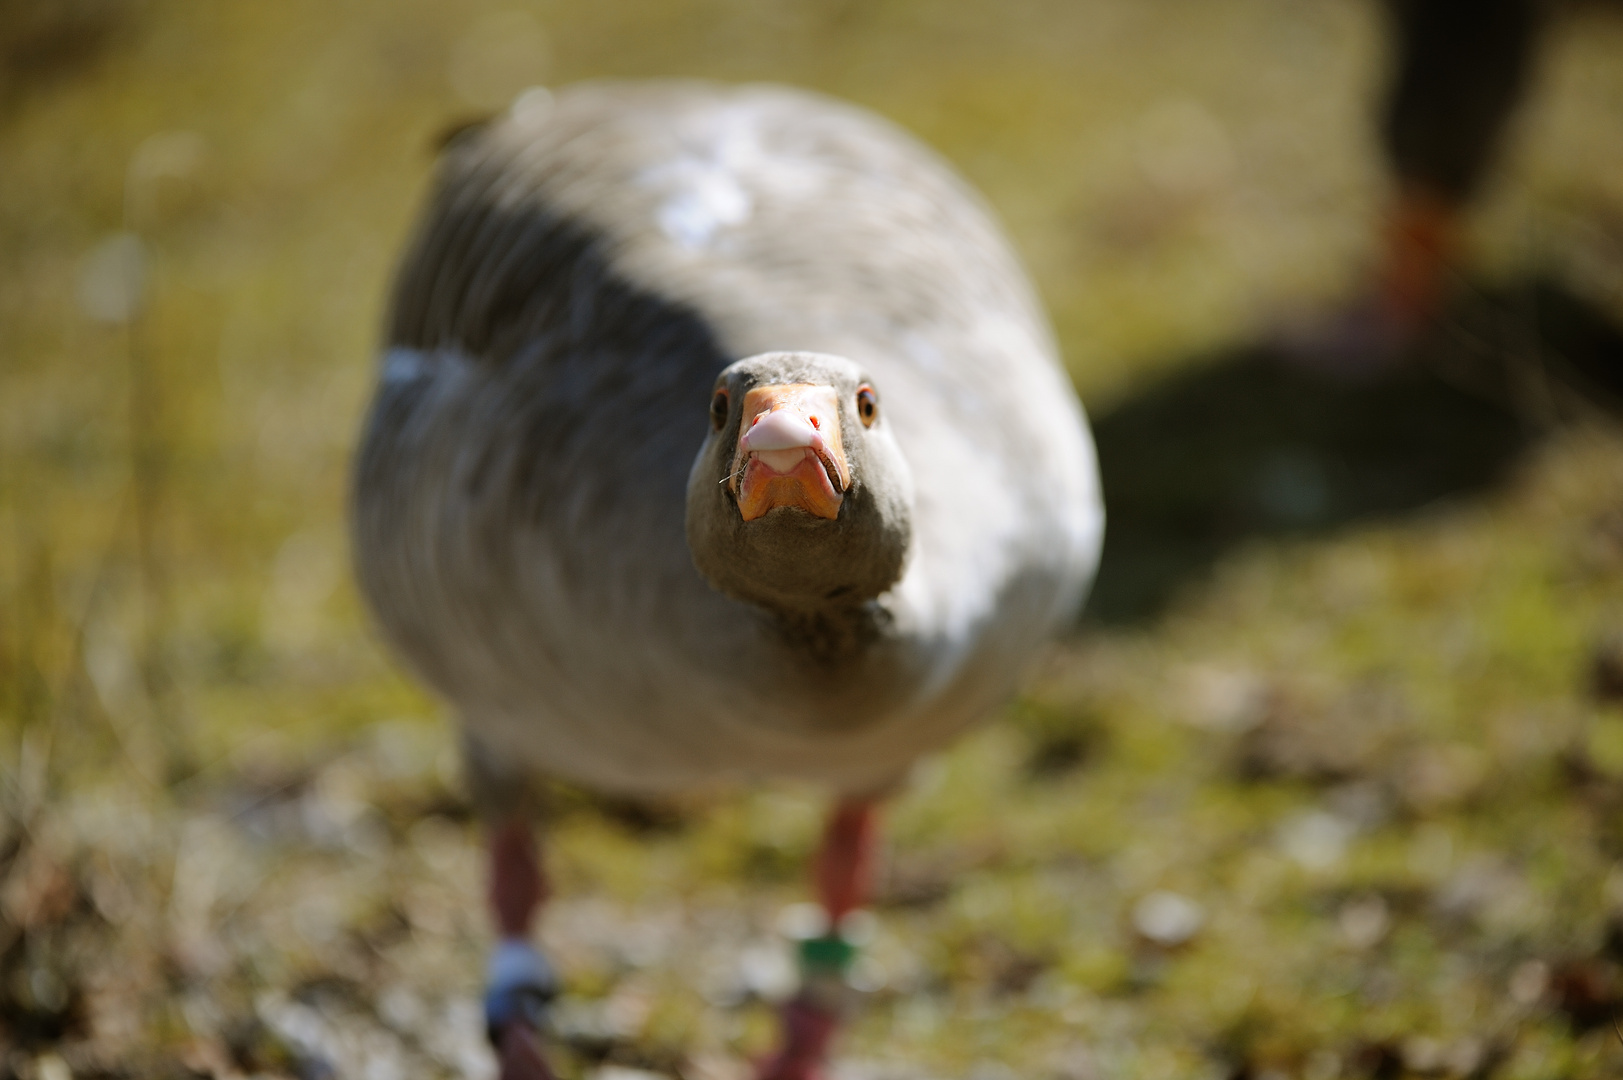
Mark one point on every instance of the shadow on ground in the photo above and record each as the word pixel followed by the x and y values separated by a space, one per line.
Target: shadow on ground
pixel 1254 443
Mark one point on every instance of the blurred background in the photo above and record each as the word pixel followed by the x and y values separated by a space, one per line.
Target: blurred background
pixel 1327 782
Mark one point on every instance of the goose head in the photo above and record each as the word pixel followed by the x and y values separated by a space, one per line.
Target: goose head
pixel 800 499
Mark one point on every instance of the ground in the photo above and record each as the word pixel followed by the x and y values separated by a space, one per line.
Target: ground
pixel 1327 783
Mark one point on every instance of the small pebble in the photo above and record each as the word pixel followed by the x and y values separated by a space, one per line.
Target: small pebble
pixel 800 922
pixel 1316 840
pixel 1529 981
pixel 1364 922
pixel 1167 918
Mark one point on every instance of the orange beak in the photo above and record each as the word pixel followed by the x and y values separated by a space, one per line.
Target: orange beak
pixel 789 452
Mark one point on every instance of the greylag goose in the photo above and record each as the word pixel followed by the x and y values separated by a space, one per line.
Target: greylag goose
pixel 718 437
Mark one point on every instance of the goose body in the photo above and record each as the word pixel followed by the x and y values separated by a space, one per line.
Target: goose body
pixel 536 453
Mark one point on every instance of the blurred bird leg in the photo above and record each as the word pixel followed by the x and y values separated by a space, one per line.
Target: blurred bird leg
pixel 1399 301
pixel 844 878
pixel 807 1031
pixel 520 1055
pixel 845 863
pixel 1421 236
pixel 517 887
pixel 520 982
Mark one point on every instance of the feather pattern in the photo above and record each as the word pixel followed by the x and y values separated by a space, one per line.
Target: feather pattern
pixel 584 272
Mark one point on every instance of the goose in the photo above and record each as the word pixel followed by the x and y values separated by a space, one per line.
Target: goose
pixel 718 438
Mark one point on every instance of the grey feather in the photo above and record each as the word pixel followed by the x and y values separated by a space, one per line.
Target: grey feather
pixel 538 456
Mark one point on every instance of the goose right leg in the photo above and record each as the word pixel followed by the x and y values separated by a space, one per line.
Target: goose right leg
pixel 520 982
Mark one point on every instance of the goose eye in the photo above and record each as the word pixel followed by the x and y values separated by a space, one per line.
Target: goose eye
pixel 867 405
pixel 718 410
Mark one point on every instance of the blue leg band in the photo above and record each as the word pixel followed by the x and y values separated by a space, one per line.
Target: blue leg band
pixel 519 984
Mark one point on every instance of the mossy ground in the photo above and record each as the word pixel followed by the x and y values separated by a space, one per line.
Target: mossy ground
pixel 1329 785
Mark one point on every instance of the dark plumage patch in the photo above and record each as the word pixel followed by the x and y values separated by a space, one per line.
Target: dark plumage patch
pixel 448 135
pixel 534 292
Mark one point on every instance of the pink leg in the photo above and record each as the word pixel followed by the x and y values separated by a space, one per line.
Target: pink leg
pixel 519 976
pixel 845 863
pixel 519 1053
pixel 1407 291
pixel 1422 234
pixel 844 878
pixel 517 886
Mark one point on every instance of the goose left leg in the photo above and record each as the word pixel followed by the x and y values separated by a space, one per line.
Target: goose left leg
pixel 844 877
